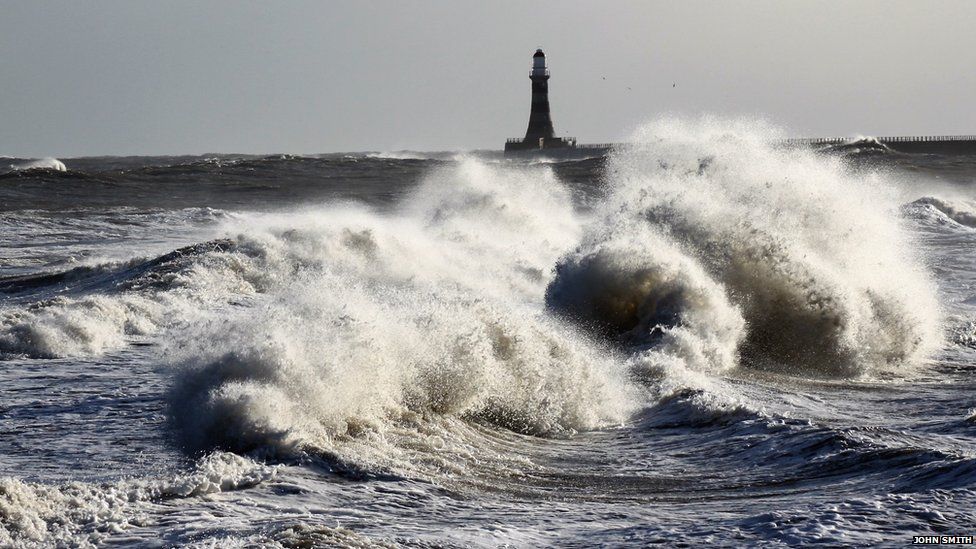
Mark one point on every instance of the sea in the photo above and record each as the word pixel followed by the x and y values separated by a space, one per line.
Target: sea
pixel 699 337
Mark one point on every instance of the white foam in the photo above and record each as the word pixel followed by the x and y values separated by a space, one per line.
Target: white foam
pixel 79 514
pixel 399 155
pixel 42 163
pixel 67 327
pixel 91 324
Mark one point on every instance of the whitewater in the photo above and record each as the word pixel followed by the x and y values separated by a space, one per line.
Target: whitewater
pixel 703 337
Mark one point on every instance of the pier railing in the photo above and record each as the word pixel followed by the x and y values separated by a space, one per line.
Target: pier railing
pixel 522 139
pixel 889 139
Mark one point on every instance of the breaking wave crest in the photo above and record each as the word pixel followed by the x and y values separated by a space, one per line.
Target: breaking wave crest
pixel 97 309
pixel 374 330
pixel 858 146
pixel 714 241
pixel 40 164
pixel 956 212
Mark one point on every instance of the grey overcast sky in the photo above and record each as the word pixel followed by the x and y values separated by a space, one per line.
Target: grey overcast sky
pixel 139 77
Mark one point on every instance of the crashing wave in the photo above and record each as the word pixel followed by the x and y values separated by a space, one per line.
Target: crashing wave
pixel 370 323
pixel 378 339
pixel 956 212
pixel 100 308
pixel 858 147
pixel 965 334
pixel 40 164
pixel 639 288
pixel 809 256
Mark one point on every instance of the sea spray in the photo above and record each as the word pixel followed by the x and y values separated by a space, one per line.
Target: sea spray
pixel 812 256
pixel 371 320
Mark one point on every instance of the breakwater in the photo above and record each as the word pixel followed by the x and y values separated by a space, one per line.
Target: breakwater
pixel 918 144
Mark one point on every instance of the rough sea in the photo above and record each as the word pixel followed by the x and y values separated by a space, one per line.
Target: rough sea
pixel 701 338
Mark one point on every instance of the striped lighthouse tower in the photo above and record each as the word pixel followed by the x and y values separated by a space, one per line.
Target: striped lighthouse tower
pixel 540 133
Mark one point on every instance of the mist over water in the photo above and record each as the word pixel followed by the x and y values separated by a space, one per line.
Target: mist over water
pixel 702 336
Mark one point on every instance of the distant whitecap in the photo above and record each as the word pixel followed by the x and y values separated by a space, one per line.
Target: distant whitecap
pixel 47 163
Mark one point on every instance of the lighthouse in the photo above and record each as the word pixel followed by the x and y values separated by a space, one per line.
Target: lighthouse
pixel 540 133
pixel 540 121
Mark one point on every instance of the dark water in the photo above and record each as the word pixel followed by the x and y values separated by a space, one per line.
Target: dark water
pixel 703 339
